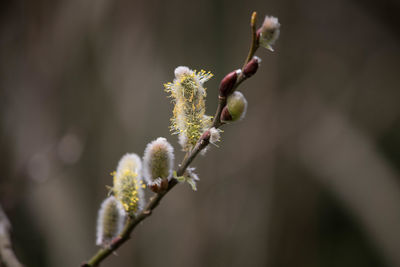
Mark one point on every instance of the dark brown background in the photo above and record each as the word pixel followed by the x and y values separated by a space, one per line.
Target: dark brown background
pixel 309 178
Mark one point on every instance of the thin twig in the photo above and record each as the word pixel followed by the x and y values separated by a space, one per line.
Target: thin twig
pixel 7 256
pixel 189 157
pixel 254 42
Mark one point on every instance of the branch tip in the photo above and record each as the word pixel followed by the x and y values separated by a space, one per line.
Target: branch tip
pixel 253 19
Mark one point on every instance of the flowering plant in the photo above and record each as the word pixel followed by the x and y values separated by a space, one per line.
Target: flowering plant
pixel 127 207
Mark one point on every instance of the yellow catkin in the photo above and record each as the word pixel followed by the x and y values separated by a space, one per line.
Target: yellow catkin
pixel 189 119
pixel 128 185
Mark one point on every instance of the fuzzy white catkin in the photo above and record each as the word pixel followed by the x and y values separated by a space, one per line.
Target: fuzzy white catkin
pixel 158 160
pixel 129 161
pixel 182 70
pixel 110 221
pixel 269 32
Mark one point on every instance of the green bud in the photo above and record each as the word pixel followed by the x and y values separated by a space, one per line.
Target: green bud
pixel 235 108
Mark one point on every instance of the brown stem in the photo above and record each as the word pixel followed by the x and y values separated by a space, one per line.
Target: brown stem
pixel 254 42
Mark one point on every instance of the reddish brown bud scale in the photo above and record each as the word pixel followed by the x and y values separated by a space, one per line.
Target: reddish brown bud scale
pixel 159 187
pixel 155 188
pixel 251 67
pixel 206 135
pixel 227 83
pixel 225 115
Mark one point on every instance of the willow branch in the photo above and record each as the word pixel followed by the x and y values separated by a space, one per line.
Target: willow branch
pixel 189 157
pixel 153 203
pixel 7 256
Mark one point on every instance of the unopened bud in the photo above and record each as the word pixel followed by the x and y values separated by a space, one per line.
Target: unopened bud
pixel 268 33
pixel 251 67
pixel 110 221
pixel 235 108
pixel 228 82
pixel 158 162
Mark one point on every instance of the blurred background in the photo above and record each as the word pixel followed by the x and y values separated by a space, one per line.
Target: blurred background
pixel 309 178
